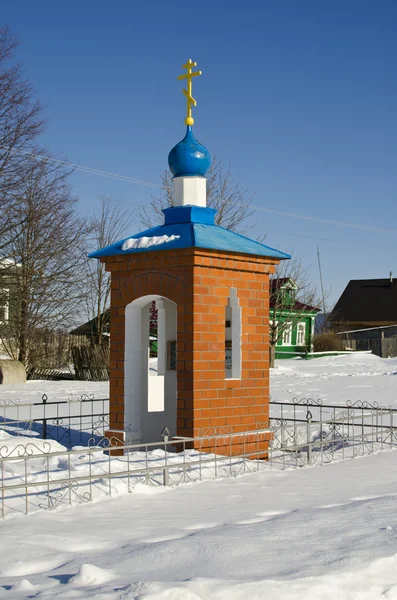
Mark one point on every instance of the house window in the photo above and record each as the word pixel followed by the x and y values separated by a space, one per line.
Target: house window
pixel 301 334
pixel 233 337
pixel 4 305
pixel 287 334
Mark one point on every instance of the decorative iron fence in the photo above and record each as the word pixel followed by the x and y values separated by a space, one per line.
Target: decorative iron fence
pixel 35 477
pixel 69 422
pixel 308 432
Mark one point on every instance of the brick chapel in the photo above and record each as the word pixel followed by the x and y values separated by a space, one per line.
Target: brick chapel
pixel 211 288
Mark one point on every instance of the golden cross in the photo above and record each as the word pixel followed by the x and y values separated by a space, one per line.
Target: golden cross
pixel 188 93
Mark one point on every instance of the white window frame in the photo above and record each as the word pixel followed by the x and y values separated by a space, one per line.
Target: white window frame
pixel 5 304
pixel 287 334
pixel 301 330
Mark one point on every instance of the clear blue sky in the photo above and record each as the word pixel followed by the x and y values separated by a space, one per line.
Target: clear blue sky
pixel 299 97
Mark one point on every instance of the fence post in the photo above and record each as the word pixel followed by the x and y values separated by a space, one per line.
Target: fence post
pixel 44 399
pixel 166 477
pixel 165 434
pixel 309 417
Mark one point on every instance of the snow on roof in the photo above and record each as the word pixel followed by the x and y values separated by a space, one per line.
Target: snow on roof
pixel 147 242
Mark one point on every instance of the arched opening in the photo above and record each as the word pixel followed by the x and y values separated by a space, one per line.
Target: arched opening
pixel 150 383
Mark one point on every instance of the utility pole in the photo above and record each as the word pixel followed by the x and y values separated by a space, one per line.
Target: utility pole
pixel 321 281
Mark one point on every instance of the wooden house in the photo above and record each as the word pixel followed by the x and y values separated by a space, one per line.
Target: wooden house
pixel 291 321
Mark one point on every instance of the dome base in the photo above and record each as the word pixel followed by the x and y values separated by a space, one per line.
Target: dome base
pixel 189 190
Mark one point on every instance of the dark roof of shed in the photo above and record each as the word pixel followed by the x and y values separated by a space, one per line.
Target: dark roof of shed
pixel 366 301
pixel 90 328
pixel 297 306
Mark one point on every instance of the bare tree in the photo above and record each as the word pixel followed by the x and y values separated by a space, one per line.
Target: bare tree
pixel 45 257
pixel 292 294
pixel 20 124
pixel 223 193
pixel 108 225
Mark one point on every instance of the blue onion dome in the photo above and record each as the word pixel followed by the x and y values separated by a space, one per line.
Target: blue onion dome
pixel 189 157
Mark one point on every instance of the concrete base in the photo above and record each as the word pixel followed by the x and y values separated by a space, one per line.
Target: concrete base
pixel 12 371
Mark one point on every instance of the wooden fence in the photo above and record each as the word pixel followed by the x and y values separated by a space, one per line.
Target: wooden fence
pixel 91 363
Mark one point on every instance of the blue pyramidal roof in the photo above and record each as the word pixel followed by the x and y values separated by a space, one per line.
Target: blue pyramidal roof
pixel 188 227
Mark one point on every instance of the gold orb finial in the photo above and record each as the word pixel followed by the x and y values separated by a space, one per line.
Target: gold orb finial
pixel 188 93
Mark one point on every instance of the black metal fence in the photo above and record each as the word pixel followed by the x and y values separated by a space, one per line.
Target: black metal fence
pixel 70 422
pixel 81 419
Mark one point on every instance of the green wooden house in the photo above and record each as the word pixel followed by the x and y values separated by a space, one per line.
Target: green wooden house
pixel 291 321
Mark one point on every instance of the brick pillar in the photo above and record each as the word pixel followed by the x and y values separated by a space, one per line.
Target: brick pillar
pixel 199 282
pixel 221 404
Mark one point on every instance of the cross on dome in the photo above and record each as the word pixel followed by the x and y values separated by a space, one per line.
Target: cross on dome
pixel 189 158
pixel 188 93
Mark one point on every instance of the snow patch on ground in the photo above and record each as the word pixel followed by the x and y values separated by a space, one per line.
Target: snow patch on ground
pixel 33 390
pixel 23 585
pixel 336 379
pixel 91 575
pixel 322 533
pixel 11 445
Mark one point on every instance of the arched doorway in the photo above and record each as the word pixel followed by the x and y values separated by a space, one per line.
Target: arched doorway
pixel 150 383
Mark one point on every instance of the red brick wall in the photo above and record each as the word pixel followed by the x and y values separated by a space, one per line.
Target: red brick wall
pixel 199 282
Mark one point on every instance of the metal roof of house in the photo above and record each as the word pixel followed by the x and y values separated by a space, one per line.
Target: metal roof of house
pixel 367 301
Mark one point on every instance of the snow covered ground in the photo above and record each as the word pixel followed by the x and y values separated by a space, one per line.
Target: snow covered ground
pixel 336 379
pixel 32 391
pixel 310 533
pixel 314 533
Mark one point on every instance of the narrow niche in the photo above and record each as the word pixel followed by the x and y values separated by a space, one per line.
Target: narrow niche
pixel 233 337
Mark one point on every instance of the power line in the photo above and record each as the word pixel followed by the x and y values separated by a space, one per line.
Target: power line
pixel 327 221
pixel 116 176
pixel 321 280
pixel 322 239
pixel 130 202
pixel 90 170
